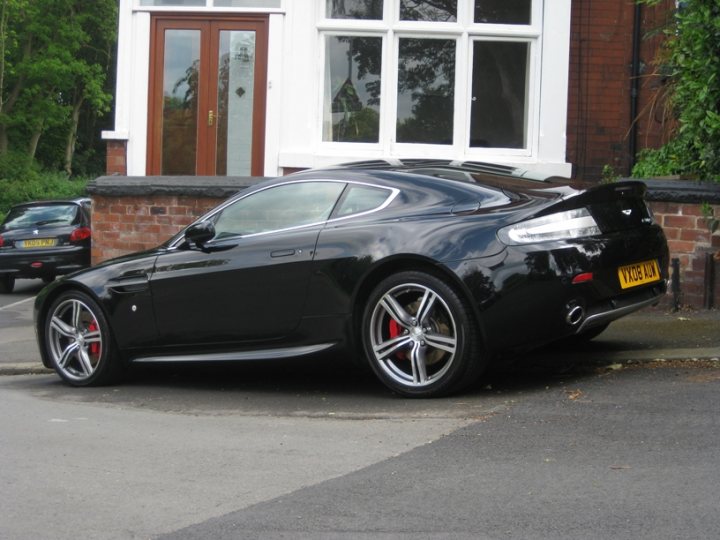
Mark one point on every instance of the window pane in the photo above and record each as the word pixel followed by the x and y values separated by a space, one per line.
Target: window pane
pixel 359 199
pixel 503 11
pixel 352 89
pixel 426 89
pixel 180 101
pixel 424 10
pixel 499 91
pixel 281 207
pixel 354 9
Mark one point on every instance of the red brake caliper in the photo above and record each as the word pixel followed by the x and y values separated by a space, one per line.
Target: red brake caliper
pixel 93 348
pixel 394 329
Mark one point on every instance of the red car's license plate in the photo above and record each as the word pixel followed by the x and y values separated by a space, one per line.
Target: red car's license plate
pixel 632 275
pixel 38 242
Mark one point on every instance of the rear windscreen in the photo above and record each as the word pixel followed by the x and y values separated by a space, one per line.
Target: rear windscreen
pixel 40 216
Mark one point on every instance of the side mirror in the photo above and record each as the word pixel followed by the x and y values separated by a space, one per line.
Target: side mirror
pixel 199 233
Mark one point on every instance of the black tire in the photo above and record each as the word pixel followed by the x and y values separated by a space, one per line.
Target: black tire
pixel 7 284
pixel 419 336
pixel 78 341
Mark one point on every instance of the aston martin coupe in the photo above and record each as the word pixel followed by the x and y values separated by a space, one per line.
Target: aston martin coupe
pixel 427 270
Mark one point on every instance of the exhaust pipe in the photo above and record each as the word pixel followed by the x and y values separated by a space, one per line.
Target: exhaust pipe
pixel 575 315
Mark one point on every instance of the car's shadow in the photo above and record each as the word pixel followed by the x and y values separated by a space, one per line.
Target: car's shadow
pixel 319 386
pixel 336 375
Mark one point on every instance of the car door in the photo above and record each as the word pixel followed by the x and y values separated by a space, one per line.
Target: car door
pixel 249 283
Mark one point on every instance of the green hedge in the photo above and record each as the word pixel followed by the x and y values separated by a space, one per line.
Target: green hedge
pixel 20 182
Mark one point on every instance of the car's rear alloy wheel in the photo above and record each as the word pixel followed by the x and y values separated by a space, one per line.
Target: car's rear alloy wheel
pixel 7 284
pixel 78 340
pixel 419 337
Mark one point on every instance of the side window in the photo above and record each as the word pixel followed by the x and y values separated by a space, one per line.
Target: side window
pixel 359 199
pixel 279 207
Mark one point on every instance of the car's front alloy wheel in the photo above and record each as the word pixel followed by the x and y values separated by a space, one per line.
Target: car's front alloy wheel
pixel 78 341
pixel 419 337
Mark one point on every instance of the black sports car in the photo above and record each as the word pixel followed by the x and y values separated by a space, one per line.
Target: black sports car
pixel 427 269
pixel 44 239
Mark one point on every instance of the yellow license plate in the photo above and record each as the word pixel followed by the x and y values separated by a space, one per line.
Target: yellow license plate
pixel 632 275
pixel 39 242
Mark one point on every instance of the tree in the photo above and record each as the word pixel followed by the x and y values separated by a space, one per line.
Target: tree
pixel 54 59
pixel 691 60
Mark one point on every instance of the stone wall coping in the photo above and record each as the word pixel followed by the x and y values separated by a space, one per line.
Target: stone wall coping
pixel 681 191
pixel 193 186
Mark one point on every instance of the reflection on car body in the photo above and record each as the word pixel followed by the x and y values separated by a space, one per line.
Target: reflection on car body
pixel 426 269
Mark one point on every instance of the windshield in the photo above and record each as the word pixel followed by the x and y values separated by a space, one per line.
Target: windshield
pixel 38 216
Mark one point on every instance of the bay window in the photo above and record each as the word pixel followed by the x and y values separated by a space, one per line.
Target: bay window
pixel 453 74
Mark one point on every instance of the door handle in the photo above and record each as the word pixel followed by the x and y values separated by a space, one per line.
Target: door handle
pixel 282 253
pixel 212 116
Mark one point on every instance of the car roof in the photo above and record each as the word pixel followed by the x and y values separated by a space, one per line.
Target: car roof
pixel 78 200
pixel 430 165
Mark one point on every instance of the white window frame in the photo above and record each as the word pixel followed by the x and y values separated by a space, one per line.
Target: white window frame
pixel 464 32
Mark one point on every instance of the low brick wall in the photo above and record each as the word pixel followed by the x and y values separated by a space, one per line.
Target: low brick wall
pixel 677 206
pixel 137 213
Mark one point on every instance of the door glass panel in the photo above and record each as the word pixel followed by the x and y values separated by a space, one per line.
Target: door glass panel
pixel 424 10
pixel 502 11
pixel 426 90
pixel 354 9
pixel 352 89
pixel 180 101
pixel 234 115
pixel 499 94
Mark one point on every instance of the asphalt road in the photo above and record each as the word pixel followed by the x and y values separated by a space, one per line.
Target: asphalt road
pixel 313 450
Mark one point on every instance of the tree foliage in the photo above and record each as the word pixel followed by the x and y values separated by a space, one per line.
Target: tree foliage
pixel 691 55
pixel 54 60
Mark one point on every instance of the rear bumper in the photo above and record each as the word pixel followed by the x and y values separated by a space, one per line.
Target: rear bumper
pixel 619 307
pixel 44 263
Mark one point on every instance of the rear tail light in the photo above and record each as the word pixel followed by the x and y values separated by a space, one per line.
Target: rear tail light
pixel 576 223
pixel 2 241
pixel 80 234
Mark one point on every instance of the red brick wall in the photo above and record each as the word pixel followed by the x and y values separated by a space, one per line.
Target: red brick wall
pixel 125 224
pixel 116 159
pixel 600 79
pixel 689 240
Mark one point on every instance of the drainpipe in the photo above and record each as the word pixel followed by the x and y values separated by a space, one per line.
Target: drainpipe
pixel 635 82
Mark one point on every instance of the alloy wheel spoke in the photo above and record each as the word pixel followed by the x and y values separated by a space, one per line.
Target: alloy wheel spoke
pixel 417 359
pixel 61 327
pixel 396 311
pixel 386 348
pixel 442 342
pixel 85 361
pixel 426 305
pixel 67 354
pixel 76 312
pixel 93 337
